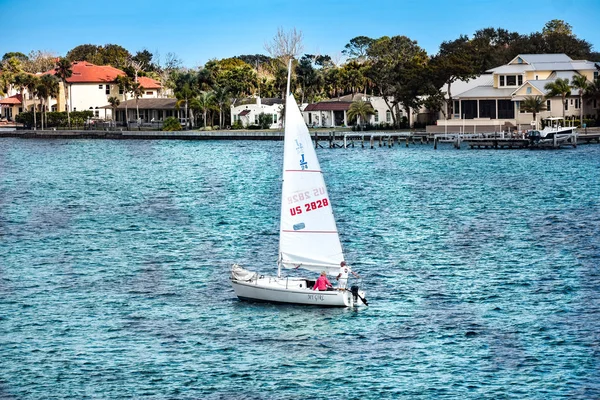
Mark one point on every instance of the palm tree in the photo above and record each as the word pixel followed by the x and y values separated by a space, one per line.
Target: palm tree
pixel 124 83
pixel 360 109
pixel 221 95
pixel 32 85
pixel 205 102
pixel 64 71
pixel 184 94
pixel 48 87
pixel 592 92
pixel 559 87
pixel 534 105
pixel 580 82
pixel 137 91
pixel 114 103
pixel 20 81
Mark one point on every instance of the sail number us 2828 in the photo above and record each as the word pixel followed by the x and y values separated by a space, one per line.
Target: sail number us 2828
pixel 313 205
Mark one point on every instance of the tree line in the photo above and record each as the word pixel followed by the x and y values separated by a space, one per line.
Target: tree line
pixel 395 68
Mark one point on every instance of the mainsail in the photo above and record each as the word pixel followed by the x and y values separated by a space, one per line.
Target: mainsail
pixel 308 236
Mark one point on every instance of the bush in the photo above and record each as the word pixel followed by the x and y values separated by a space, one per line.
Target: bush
pixel 237 125
pixel 265 120
pixel 171 124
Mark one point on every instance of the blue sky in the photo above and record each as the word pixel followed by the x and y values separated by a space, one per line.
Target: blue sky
pixel 197 31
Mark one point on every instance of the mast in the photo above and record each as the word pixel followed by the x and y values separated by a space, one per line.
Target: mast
pixel 287 93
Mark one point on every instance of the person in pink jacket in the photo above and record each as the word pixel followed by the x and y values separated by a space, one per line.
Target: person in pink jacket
pixel 322 283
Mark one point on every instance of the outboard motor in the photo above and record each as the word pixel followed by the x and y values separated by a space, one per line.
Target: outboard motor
pixel 534 136
pixel 354 291
pixel 356 296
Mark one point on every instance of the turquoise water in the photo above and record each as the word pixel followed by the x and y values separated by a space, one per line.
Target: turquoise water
pixel 481 267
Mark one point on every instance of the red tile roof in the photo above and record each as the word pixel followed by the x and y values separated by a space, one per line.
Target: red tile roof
pixel 244 113
pixel 16 99
pixel 329 106
pixel 85 72
pixel 148 83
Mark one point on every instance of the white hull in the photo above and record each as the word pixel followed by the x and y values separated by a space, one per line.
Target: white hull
pixel 292 291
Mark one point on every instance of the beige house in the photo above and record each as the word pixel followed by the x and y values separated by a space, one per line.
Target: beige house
pixel 491 102
pixel 10 106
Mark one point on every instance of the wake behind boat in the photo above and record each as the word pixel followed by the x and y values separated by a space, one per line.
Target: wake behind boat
pixel 308 236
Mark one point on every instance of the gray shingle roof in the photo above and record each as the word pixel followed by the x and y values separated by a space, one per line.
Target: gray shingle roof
pixel 147 104
pixel 537 58
pixel 486 91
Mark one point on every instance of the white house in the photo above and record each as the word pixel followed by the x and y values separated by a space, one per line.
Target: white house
pixel 333 113
pixel 90 87
pixel 246 111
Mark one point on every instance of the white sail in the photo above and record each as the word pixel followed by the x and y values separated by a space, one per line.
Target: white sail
pixel 308 236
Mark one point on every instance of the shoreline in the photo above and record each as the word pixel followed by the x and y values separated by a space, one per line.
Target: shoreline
pixel 322 134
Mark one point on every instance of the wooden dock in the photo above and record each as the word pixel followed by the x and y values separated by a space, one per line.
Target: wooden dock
pixel 497 143
pixel 322 138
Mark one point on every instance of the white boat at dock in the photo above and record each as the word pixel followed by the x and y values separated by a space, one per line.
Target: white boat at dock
pixel 554 135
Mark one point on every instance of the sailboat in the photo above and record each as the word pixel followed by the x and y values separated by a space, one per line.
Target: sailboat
pixel 308 236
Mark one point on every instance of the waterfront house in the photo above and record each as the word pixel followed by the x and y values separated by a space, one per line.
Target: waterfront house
pixel 247 111
pixel 334 113
pixel 10 107
pixel 151 111
pixel 491 102
pixel 91 85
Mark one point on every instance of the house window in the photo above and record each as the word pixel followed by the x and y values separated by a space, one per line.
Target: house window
pixel 149 93
pixel 275 118
pixel 548 108
pixel 506 109
pixel 120 91
pixel 256 119
pixel 529 90
pixel 107 89
pixel 388 116
pixel 511 80
pixel 566 106
pixel 97 113
pixel 520 79
pixel 100 87
pixel 376 116
pixel 536 77
pixel 595 75
pixel 501 80
pixel 577 104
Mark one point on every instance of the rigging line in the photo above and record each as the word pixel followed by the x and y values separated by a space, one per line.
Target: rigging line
pixel 303 170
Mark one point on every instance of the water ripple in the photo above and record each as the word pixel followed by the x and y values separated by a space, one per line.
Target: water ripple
pixel 482 268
